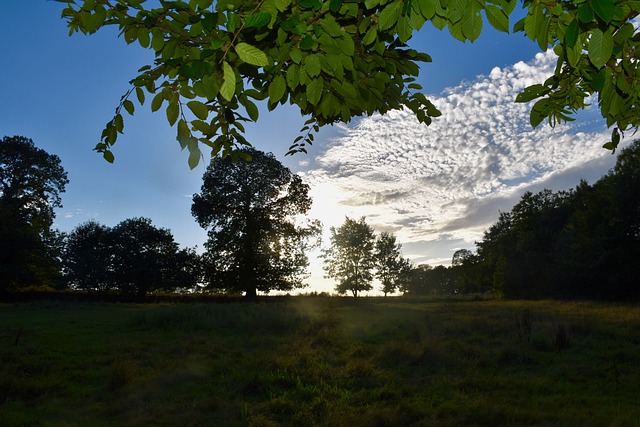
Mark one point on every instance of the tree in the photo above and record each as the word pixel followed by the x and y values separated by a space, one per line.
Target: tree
pixel 31 181
pixel 350 259
pixel 391 267
pixel 340 59
pixel 134 258
pixel 89 257
pixel 253 213
pixel 144 257
pixel 465 267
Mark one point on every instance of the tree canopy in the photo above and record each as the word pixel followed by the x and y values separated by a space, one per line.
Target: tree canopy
pixel 351 258
pixel 31 181
pixel 340 59
pixel 134 258
pixel 252 211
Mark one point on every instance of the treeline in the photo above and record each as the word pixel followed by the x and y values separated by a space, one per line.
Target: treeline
pixel 582 243
pixel 249 205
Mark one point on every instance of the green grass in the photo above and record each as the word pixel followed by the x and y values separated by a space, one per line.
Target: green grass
pixel 320 361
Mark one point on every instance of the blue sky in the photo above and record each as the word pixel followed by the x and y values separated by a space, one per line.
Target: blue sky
pixel 437 188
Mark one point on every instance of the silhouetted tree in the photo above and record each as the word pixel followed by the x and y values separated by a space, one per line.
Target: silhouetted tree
pixel 252 211
pixel 350 259
pixel 31 181
pixel 88 261
pixel 143 257
pixel 391 267
pixel 583 243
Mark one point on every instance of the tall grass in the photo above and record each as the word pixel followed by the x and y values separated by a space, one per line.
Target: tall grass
pixel 320 361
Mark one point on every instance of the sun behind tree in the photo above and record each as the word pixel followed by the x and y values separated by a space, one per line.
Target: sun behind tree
pixel 252 211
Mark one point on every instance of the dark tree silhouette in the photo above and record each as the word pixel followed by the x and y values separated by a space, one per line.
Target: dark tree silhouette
pixel 31 181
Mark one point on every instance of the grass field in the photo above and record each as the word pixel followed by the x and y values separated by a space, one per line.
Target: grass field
pixel 320 361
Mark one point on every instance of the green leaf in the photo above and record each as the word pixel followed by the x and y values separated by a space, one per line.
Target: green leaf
pixel 157 101
pixel 143 37
pixel 251 55
pixel 157 40
pixel 296 55
pixel 108 156
pixel 228 88
pixel 172 112
pixel 140 95
pixel 532 92
pixel 184 134
pixel 389 15
pixel 199 109
pixel 312 65
pixel 539 112
pixel 600 48
pixel 605 9
pixel 314 91
pixel 585 13
pixel 194 157
pixel 471 23
pixel 252 109
pixel 571 34
pixel 258 20
pixel 277 89
pixel 118 123
pixel 128 105
pixel 497 18
pixel 533 21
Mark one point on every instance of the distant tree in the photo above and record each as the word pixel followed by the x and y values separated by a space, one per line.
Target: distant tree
pixel 418 281
pixel 460 256
pixel 143 257
pixel 350 259
pixel 31 181
pixel 466 269
pixel 88 260
pixel 391 267
pixel 188 271
pixel 253 213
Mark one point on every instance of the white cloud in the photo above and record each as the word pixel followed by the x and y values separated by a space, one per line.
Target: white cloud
pixel 438 187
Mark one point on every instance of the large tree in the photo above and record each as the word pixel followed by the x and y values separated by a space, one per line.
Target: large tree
pixel 31 181
pixel 252 209
pixel 350 259
pixel 339 59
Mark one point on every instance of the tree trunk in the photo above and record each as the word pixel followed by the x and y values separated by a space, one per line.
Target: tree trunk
pixel 251 293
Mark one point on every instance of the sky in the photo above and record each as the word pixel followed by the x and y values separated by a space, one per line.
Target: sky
pixel 437 187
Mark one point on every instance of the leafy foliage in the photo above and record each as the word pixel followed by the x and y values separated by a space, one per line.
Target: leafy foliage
pixel 350 259
pixel 252 210
pixel 391 268
pixel 31 181
pixel 339 59
pixel 133 258
pixel 579 244
pixel 333 60
pixel 597 47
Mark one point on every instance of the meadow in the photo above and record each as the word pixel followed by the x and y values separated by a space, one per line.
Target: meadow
pixel 302 361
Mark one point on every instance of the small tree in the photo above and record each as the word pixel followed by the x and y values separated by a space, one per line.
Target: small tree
pixel 252 210
pixel 390 265
pixel 350 259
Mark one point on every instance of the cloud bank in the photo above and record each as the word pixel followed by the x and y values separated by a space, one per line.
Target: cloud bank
pixel 439 187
